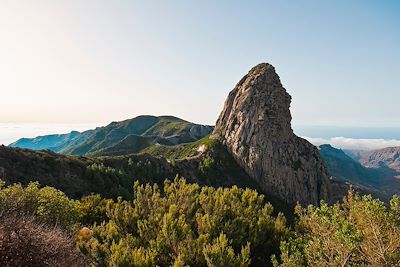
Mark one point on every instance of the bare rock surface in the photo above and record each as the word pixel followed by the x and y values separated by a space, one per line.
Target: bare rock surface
pixel 255 127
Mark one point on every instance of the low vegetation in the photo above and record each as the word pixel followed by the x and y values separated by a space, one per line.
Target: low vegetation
pixel 185 224
pixel 182 224
pixel 361 231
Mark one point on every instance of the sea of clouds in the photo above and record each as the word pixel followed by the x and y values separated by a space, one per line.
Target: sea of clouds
pixel 352 143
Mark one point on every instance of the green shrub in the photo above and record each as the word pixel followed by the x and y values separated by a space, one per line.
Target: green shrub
pixel 219 253
pixel 359 232
pixel 47 204
pixel 206 165
pixel 185 224
pixel 93 209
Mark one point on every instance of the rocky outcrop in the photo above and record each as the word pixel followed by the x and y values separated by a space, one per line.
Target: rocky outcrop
pixel 255 127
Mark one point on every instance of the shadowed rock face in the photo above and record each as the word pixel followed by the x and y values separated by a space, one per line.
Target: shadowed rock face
pixel 255 126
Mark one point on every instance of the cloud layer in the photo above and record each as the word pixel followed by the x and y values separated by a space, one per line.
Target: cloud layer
pixel 351 143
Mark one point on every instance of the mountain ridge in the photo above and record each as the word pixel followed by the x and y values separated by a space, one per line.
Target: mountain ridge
pixel 168 130
pixel 388 157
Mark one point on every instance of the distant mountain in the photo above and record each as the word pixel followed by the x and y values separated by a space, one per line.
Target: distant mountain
pixel 119 138
pixel 381 158
pixel 380 181
pixel 51 142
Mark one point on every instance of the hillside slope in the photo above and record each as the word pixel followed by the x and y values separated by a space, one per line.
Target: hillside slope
pixel 118 138
pixel 114 176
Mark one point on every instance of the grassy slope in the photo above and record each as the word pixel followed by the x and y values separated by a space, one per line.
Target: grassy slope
pixel 167 126
pixel 130 144
pixel 112 134
pixel 112 139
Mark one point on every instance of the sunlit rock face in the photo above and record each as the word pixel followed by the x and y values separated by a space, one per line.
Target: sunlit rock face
pixel 255 126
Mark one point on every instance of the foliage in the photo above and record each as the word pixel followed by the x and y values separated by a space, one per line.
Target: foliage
pixel 206 165
pixel 185 224
pixel 220 254
pixel 107 179
pixel 48 204
pixel 181 224
pixel 359 232
pixel 93 209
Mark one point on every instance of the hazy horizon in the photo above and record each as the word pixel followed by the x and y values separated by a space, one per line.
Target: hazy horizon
pixel 364 138
pixel 64 62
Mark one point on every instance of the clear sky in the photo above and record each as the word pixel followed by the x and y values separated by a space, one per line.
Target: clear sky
pixel 101 61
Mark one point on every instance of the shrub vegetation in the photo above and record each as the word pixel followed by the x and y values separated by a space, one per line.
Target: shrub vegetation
pixel 183 224
pixel 360 231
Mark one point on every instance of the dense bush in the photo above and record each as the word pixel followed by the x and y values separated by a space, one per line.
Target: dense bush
pixel 49 205
pixel 359 232
pixel 93 209
pixel 185 224
pixel 206 165
pixel 181 224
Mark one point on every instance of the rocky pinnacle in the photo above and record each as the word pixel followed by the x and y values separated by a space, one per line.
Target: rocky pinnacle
pixel 255 127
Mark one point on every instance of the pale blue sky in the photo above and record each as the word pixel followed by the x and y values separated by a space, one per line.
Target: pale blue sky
pixel 101 61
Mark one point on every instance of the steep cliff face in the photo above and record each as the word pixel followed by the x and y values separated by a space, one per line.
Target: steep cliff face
pixel 255 126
